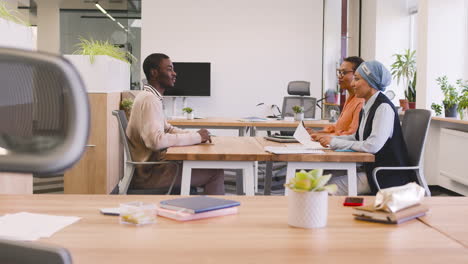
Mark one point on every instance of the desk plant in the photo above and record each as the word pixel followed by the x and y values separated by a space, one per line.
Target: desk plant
pixel 188 111
pixel 451 98
pixel 93 48
pixel 298 112
pixel 404 69
pixel 127 105
pixel 308 199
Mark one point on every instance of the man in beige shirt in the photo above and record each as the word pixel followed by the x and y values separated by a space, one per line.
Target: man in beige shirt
pixel 150 134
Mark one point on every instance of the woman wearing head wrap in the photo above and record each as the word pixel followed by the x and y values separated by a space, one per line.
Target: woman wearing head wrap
pixel 379 130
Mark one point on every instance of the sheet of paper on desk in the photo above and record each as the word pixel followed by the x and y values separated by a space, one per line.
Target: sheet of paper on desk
pixel 304 138
pixel 290 150
pixel 28 226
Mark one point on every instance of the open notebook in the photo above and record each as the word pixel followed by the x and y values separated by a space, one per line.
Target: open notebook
pixel 307 146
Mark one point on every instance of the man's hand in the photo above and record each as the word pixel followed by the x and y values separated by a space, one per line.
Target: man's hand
pixel 324 140
pixel 205 135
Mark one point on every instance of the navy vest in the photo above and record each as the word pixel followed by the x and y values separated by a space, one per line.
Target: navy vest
pixel 393 154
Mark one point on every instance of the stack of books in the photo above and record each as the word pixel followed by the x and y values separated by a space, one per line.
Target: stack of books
pixel 368 213
pixel 197 207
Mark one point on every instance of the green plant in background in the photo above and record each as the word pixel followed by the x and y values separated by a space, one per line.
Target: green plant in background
pixel 312 181
pixel 11 15
pixel 187 110
pixel 450 92
pixel 93 48
pixel 126 104
pixel 463 99
pixel 298 109
pixel 404 68
pixel 410 93
pixel 437 108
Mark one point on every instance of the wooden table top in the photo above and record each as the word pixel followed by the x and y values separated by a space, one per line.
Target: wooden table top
pixel 210 122
pixel 236 122
pixel 328 156
pixel 449 216
pixel 223 148
pixel 226 148
pixel 258 234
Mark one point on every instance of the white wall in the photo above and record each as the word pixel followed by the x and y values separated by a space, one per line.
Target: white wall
pixel 255 47
pixel 443 43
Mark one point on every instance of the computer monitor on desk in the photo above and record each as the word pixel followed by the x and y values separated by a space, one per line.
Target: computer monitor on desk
pixel 307 102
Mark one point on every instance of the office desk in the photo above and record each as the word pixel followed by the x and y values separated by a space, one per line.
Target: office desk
pixel 330 160
pixel 258 234
pixel 450 216
pixel 212 123
pixel 286 125
pixel 235 123
pixel 223 153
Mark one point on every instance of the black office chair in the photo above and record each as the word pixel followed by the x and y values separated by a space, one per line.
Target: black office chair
pixel 415 126
pixel 44 117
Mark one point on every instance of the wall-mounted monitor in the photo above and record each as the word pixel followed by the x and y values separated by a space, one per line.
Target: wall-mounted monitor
pixel 193 79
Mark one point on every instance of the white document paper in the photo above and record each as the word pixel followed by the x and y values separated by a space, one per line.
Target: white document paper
pixel 289 150
pixel 29 226
pixel 304 138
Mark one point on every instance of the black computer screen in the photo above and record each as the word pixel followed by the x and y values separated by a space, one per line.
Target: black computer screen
pixel 193 79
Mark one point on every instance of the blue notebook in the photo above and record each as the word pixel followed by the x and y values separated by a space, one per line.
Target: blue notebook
pixel 197 204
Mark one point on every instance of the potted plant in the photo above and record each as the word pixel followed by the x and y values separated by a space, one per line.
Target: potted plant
pixel 103 66
pixel 463 99
pixel 308 199
pixel 298 112
pixel 16 33
pixel 189 112
pixel 451 98
pixel 126 105
pixel 437 109
pixel 404 68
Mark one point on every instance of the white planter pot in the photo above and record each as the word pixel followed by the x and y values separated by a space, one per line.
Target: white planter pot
pixel 298 116
pixel 190 116
pixel 307 209
pixel 105 75
pixel 16 35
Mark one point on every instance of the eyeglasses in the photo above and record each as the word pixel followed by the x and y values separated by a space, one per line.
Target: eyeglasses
pixel 340 73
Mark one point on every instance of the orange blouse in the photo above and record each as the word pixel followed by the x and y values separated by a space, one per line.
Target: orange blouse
pixel 348 121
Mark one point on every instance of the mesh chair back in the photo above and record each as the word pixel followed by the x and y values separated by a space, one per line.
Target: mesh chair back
pixel 16 252
pixel 301 88
pixel 122 120
pixel 305 101
pixel 44 113
pixel 415 126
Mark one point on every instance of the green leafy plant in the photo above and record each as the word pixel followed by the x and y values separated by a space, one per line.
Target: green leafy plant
pixel 404 68
pixel 187 110
pixel 450 92
pixel 410 93
pixel 11 15
pixel 126 104
pixel 93 48
pixel 298 109
pixel 463 99
pixel 312 181
pixel 437 108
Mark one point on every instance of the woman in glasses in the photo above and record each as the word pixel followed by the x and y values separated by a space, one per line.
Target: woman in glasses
pixel 348 121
